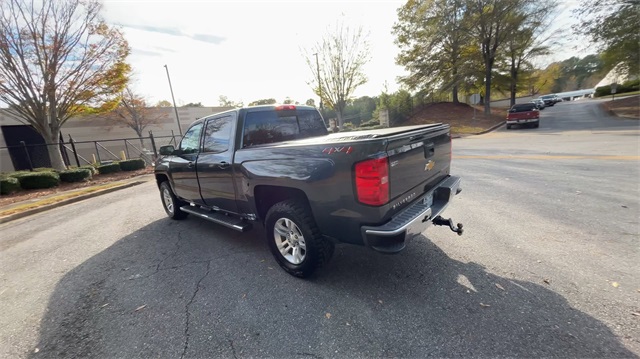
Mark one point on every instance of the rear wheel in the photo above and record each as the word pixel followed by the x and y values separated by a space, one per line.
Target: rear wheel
pixel 508 127
pixel 294 239
pixel 536 125
pixel 171 203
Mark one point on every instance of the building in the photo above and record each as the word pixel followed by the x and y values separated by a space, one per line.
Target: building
pixel 86 129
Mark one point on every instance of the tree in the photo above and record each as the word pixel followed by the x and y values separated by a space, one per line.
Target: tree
pixel 193 104
pixel 433 36
pixel 343 54
pixel 223 101
pixel 59 59
pixel 493 23
pixel 266 101
pixel 310 102
pixel 132 111
pixel 614 25
pixel 526 42
pixel 163 103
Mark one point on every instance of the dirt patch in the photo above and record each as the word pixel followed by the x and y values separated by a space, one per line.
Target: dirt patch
pixel 26 195
pixel 628 107
pixel 459 116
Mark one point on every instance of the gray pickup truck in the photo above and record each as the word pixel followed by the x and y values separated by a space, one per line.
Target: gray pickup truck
pixel 277 166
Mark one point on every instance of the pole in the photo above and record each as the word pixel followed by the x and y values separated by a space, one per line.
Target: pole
pixel 75 152
pixel 26 152
pixel 174 100
pixel 319 81
pixel 153 144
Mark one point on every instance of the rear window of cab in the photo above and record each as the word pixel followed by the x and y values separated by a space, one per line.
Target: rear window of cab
pixel 270 126
pixel 523 107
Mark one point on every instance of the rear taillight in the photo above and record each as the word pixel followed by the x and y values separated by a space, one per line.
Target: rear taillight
pixel 285 107
pixel 372 181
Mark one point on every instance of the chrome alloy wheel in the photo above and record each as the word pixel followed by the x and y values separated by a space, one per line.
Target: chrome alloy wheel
pixel 290 241
pixel 168 201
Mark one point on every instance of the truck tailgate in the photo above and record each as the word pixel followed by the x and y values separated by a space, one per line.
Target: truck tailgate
pixel 417 158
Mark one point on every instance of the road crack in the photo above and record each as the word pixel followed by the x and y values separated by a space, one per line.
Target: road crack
pixel 233 349
pixel 177 246
pixel 188 312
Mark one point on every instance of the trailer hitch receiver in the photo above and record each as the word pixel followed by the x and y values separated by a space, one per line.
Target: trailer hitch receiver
pixel 439 221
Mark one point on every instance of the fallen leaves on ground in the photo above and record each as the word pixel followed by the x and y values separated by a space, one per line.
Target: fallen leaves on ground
pixel 484 305
pixel 547 281
pixel 499 286
pixel 328 315
pixel 615 284
pixel 140 308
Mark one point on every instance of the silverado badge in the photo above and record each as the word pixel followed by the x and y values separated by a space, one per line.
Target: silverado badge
pixel 429 166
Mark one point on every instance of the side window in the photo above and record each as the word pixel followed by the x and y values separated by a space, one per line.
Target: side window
pixel 217 135
pixel 191 141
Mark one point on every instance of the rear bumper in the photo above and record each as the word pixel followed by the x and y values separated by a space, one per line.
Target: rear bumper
pixel 528 120
pixel 392 236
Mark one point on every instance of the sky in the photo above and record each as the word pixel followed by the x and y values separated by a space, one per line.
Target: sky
pixel 250 50
pixel 245 50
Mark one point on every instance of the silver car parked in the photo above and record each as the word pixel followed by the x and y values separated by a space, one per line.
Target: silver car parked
pixel 539 103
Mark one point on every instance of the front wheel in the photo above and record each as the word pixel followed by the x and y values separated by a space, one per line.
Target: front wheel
pixel 171 203
pixel 295 240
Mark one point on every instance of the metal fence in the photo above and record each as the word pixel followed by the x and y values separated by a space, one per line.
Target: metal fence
pixel 77 153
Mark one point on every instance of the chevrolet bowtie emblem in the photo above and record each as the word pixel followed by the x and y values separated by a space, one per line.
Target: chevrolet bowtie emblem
pixel 429 166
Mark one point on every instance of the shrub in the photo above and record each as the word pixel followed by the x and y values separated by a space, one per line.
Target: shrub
pixel 17 174
pixel 75 175
pixel 346 127
pixel 90 168
pixel 370 123
pixel 627 86
pixel 36 180
pixel 43 169
pixel 132 165
pixel 9 185
pixel 109 168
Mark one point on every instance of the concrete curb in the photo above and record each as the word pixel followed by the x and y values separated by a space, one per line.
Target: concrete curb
pixel 493 128
pixel 63 202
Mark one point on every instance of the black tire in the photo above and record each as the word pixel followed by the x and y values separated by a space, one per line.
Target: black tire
pixel 536 125
pixel 317 250
pixel 508 127
pixel 171 203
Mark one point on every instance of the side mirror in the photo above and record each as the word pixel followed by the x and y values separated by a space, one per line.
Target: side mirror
pixel 167 150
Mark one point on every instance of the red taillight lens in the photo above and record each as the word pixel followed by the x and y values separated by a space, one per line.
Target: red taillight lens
pixel 372 181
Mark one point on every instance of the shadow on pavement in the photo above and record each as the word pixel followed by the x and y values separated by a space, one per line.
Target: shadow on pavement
pixel 193 289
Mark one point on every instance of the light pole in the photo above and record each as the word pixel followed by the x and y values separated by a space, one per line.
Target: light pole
pixel 174 100
pixel 319 83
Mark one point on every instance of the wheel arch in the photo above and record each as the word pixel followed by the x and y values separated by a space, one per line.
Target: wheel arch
pixel 266 196
pixel 161 177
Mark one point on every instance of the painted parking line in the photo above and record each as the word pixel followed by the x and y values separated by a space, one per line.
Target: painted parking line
pixel 548 157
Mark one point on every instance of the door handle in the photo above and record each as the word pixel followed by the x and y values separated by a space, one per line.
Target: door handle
pixel 224 164
pixel 190 165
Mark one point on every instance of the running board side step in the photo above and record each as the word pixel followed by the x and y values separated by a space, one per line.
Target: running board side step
pixel 232 222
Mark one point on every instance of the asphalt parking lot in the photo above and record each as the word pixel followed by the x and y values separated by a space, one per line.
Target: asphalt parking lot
pixel 548 266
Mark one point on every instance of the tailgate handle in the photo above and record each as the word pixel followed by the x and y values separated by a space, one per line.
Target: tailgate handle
pixel 416 137
pixel 429 152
